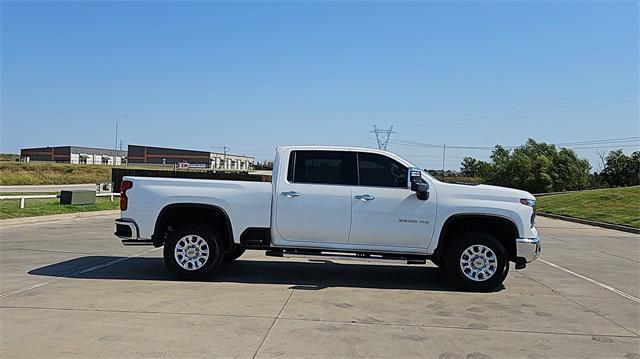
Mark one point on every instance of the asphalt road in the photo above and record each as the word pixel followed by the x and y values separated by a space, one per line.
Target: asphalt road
pixel 69 289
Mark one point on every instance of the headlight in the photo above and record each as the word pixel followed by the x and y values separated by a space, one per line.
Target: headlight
pixel 528 202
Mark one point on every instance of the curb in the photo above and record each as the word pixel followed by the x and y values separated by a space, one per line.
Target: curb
pixel 55 217
pixel 616 227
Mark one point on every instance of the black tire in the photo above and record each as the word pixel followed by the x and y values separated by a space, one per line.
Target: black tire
pixel 475 240
pixel 214 246
pixel 234 254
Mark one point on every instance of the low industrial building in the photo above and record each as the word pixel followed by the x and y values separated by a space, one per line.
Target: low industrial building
pixel 140 155
pixel 74 154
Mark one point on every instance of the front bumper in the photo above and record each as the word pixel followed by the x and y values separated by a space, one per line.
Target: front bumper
pixel 527 250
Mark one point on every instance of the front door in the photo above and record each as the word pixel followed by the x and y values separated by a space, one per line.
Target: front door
pixel 385 212
pixel 314 203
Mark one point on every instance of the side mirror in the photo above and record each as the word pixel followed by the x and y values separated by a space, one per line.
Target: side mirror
pixel 421 190
pixel 418 185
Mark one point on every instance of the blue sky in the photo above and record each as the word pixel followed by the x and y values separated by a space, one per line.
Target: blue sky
pixel 252 76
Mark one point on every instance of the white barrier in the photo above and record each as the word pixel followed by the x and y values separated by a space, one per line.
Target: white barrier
pixel 110 194
pixel 22 198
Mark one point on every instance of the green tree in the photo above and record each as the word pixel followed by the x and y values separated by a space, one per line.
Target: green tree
pixel 622 170
pixel 265 165
pixel 470 167
pixel 634 169
pixel 498 173
pixel 569 171
pixel 535 167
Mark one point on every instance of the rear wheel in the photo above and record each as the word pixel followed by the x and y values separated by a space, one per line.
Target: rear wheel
pixel 193 251
pixel 477 262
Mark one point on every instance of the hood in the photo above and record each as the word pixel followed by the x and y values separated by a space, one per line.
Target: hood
pixel 487 191
pixel 510 191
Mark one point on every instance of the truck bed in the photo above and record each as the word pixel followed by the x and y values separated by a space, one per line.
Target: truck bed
pixel 247 202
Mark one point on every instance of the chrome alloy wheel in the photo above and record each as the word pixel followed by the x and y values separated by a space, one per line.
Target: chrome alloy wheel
pixel 478 263
pixel 191 252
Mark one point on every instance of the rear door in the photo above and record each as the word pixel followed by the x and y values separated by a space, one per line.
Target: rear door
pixel 314 202
pixel 386 212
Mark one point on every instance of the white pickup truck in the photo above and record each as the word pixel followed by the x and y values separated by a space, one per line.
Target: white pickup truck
pixel 334 203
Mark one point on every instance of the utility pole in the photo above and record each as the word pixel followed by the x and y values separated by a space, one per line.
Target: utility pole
pixel 444 153
pixel 115 147
pixel 382 136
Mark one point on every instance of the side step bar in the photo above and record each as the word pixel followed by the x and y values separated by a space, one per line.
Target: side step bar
pixel 363 257
pixel 133 242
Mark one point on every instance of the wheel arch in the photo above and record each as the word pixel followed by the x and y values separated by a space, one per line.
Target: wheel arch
pixel 503 227
pixel 175 213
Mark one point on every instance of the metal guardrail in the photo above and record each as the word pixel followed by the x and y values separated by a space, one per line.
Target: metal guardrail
pixel 22 198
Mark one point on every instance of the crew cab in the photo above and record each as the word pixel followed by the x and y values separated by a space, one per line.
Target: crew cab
pixel 334 203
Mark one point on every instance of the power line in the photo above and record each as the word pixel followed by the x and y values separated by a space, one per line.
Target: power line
pixel 608 146
pixel 363 141
pixel 536 111
pixel 614 142
pixel 623 139
pixel 416 144
pixel 430 145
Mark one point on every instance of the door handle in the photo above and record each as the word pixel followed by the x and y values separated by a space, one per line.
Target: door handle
pixel 290 194
pixel 365 197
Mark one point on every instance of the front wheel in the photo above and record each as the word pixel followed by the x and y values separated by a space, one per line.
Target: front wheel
pixel 193 251
pixel 477 262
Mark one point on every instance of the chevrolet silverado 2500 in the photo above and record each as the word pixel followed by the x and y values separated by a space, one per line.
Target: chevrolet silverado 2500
pixel 334 202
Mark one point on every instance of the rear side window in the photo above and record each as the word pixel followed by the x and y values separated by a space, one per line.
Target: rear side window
pixel 322 167
pixel 381 171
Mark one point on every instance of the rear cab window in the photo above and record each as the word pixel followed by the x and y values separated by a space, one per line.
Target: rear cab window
pixel 322 167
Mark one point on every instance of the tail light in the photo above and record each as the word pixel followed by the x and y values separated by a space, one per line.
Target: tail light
pixel 124 186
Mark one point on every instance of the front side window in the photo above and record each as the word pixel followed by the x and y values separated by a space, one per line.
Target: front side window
pixel 381 171
pixel 322 167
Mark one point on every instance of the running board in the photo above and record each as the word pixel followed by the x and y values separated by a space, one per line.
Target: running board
pixel 361 257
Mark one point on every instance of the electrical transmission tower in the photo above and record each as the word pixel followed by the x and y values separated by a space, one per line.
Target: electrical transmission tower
pixel 382 136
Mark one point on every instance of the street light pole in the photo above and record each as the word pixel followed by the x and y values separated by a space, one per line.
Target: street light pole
pixel 224 150
pixel 115 148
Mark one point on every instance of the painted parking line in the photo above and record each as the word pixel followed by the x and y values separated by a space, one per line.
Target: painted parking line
pixel 600 284
pixel 71 275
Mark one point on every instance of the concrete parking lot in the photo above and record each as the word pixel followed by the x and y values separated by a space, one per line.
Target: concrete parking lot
pixel 70 289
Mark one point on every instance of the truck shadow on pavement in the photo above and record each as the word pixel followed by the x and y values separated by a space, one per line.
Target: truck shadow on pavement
pixel 307 275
